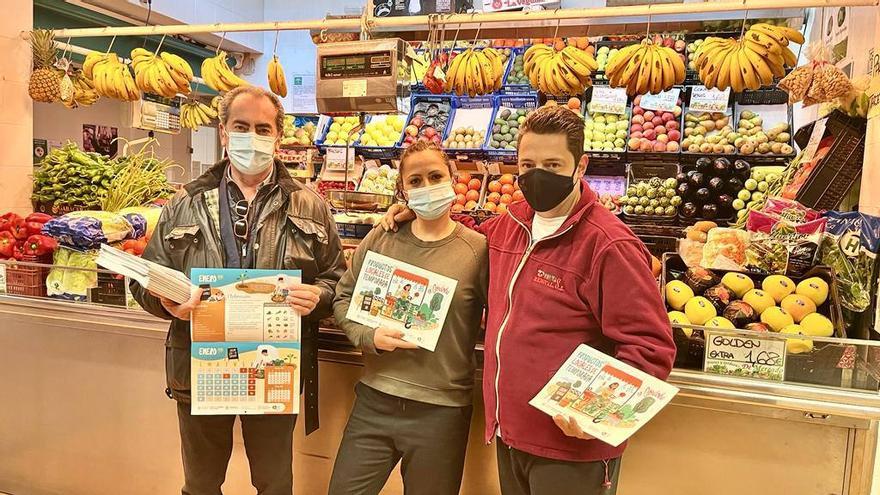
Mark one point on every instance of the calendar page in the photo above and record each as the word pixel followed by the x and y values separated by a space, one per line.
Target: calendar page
pixel 245 342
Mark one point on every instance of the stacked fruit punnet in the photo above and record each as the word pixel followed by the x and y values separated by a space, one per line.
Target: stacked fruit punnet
pixel 501 192
pixel 750 62
pixel 194 114
pixel 218 76
pixel 110 76
pixel 165 74
pixel 646 67
pixel 475 72
pixel 467 192
pixel 277 81
pixel 559 72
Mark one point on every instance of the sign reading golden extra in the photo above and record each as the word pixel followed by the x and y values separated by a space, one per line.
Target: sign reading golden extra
pixel 874 88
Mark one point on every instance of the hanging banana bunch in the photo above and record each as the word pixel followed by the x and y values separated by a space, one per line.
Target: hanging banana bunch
pixel 475 72
pixel 563 72
pixel 218 76
pixel 194 114
pixel 165 74
pixel 645 67
pixel 277 81
pixel 755 60
pixel 110 77
pixel 84 93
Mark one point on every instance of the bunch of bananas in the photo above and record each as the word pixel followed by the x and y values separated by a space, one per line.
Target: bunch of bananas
pixel 218 75
pixel 563 72
pixel 750 62
pixel 165 74
pixel 110 77
pixel 475 72
pixel 645 67
pixel 194 114
pixel 84 93
pixel 277 81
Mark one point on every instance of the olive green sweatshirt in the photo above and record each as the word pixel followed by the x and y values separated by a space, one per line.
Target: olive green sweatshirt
pixel 446 376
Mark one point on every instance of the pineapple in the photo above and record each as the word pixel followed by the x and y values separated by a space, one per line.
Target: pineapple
pixel 45 82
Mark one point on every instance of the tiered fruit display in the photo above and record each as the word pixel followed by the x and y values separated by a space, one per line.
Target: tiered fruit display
pixel 340 129
pixel 45 80
pixel 219 76
pixel 277 80
pixel 110 76
pixel 761 55
pixel 427 124
pixel 645 67
pixel 654 131
pixel 654 197
pixel 467 192
pixel 164 74
pixel 753 139
pixel 475 72
pixel 517 71
pixel 501 192
pixel 755 189
pixel 709 190
pixel 605 132
pixel 298 136
pixel 194 114
pixel 708 133
pixel 382 131
pixel 505 128
pixel 381 180
pixel 701 298
pixel 565 71
pixel 465 138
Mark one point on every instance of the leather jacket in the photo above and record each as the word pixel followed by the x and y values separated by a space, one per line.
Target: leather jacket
pixel 295 231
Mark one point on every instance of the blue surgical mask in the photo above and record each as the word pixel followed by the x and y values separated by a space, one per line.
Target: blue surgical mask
pixel 250 153
pixel 431 202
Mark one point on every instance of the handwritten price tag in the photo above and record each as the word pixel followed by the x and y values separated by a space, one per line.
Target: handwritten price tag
pixel 815 139
pixel 608 100
pixel 335 157
pixel 665 101
pixel 755 357
pixel 704 99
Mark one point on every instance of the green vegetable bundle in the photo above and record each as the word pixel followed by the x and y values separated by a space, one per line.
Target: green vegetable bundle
pixel 141 179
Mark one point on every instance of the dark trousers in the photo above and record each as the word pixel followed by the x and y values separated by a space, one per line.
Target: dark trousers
pixel 206 445
pixel 430 440
pixel 526 474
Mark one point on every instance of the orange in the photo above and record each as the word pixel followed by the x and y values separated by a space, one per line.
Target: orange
pixel 494 186
pixel 507 189
pixel 494 197
pixel 506 179
pixel 506 198
pixel 518 196
pixel 460 199
pixel 472 195
pixel 474 184
pixel 464 177
pixel 460 188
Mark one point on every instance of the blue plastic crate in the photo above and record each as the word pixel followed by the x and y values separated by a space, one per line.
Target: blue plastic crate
pixel 515 87
pixel 380 152
pixel 514 102
pixel 486 102
pixel 321 133
pixel 417 102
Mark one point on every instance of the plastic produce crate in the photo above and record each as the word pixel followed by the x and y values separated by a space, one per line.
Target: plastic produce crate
pixel 525 102
pixel 778 113
pixel 602 156
pixel 110 290
pixel 28 280
pixel 690 157
pixel 834 176
pixel 435 110
pixel 473 112
pixel 657 156
pixel 379 152
pixel 642 171
pixel 516 87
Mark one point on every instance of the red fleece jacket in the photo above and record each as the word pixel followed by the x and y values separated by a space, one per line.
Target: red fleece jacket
pixel 591 283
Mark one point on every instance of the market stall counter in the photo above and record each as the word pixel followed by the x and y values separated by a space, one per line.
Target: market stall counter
pixel 86 413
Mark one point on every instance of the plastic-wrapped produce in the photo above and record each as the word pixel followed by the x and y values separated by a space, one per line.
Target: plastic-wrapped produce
pixel 850 246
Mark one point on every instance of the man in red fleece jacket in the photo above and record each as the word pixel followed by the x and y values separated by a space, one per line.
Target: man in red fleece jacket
pixel 563 271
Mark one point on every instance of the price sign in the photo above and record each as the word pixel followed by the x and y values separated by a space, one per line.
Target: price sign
pixel 354 88
pixel 665 101
pixel 815 139
pixel 335 157
pixel 704 99
pixel 738 355
pixel 608 100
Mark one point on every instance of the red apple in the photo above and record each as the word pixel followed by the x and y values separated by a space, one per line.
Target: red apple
pixel 660 130
pixel 673 124
pixel 429 131
pixel 645 145
pixel 637 110
pixel 657 121
pixel 662 138
pixel 634 143
pixel 672 146
pixel 636 128
pixel 648 126
pixel 667 116
pixel 436 139
pixel 650 135
pixel 638 119
pixel 636 134
pixel 674 135
pixel 409 139
pixel 649 115
pixel 658 146
pixel 417 121
pixel 413 130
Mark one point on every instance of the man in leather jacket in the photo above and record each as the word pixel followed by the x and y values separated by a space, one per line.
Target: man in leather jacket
pixel 245 212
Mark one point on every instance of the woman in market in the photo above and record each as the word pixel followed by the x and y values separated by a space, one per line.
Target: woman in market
pixel 414 405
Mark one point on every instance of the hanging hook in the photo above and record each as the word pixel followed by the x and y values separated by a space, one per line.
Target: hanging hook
pixel 222 39
pixel 275 47
pixel 160 43
pixel 558 22
pixel 111 43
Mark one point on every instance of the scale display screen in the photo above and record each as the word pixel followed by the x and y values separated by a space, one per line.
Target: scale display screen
pixel 361 65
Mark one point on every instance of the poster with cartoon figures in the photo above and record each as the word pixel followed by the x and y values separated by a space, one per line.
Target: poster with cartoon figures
pixel 245 352
pixel 609 399
pixel 400 296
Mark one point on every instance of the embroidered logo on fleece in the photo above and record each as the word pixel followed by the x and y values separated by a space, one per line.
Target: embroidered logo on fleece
pixel 549 280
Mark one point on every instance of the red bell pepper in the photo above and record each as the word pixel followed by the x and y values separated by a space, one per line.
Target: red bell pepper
pixel 34 228
pixel 19 229
pixel 38 245
pixel 7 244
pixel 6 221
pixel 18 251
pixel 39 217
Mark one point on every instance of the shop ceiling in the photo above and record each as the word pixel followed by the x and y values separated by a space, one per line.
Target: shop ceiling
pixel 594 21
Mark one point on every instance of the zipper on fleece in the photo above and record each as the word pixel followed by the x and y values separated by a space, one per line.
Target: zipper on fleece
pixel 516 273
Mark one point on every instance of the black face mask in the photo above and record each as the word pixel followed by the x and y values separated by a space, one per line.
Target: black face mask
pixel 544 190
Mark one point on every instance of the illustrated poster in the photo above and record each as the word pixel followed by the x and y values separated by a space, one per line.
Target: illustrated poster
pixel 393 294
pixel 609 399
pixel 245 352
